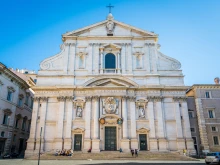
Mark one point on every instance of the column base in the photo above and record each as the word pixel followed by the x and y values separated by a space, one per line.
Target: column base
pixel 125 146
pixel 87 145
pixel 163 145
pixel 68 143
pixel 95 145
pixel 153 144
pixel 58 144
pixel 134 144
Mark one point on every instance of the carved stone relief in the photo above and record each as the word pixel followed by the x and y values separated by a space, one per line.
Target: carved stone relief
pixel 110 105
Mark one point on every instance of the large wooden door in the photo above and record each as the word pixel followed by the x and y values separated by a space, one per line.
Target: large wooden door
pixel 78 142
pixel 110 139
pixel 143 141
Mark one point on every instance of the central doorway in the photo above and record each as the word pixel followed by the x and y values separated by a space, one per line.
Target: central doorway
pixel 78 142
pixel 110 139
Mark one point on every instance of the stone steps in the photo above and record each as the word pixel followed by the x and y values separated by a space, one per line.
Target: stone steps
pixel 116 155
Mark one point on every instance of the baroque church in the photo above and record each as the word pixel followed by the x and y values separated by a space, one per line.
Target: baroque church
pixel 110 88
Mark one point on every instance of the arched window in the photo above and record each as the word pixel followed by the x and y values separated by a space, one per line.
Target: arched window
pixel 110 61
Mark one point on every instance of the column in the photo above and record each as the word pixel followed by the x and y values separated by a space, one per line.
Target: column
pixel 59 124
pixel 124 141
pixel 32 137
pixel 96 140
pixel 43 112
pixel 134 141
pixel 187 131
pixel 116 63
pixel 160 118
pixel 87 140
pixel 68 131
pixel 179 128
pixel 152 137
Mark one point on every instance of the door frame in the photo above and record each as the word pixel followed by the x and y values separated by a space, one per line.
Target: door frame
pixel 116 127
pixel 81 142
pixel 144 131
pixel 78 131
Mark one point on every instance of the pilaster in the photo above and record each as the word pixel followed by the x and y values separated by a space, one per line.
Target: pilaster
pixel 87 140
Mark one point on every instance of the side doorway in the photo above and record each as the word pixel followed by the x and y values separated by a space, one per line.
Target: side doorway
pixel 77 142
pixel 143 142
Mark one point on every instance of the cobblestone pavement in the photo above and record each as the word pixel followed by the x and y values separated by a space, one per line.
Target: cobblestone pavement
pixel 98 162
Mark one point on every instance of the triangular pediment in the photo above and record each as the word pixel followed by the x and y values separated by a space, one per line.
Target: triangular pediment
pixel 120 29
pixel 110 82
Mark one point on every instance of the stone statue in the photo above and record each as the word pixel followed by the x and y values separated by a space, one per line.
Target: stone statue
pixel 216 80
pixel 141 112
pixel 79 112
pixel 110 27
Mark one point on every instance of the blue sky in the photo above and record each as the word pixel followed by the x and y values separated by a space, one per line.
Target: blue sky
pixel 188 29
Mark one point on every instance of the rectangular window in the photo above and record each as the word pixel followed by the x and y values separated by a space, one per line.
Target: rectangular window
pixel 14 138
pixel 16 123
pixel 214 129
pixel 20 102
pixel 215 139
pixel 5 119
pixel 207 94
pixel 9 96
pixel 190 114
pixel 211 114
pixel 26 100
pixel 192 129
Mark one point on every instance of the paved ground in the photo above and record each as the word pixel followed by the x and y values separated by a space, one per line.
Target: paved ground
pixel 98 162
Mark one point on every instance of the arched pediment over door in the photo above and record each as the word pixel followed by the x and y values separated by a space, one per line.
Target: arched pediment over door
pixel 110 82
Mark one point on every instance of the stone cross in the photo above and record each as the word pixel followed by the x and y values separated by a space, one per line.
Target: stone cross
pixel 109 6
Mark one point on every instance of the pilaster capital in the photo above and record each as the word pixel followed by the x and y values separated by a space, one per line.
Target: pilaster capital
pixel 124 98
pixel 61 98
pixel 180 99
pixel 69 98
pixel 96 98
pixel 88 98
pixel 90 44
pixel 155 98
pixel 132 98
pixel 67 44
pixel 36 99
pixel 44 99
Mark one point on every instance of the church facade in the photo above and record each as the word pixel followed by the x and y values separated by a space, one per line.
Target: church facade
pixel 109 88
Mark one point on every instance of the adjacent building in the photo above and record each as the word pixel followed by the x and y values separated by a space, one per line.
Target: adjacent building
pixel 109 88
pixel 16 102
pixel 204 113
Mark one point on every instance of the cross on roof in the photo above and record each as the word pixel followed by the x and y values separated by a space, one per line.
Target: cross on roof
pixel 110 6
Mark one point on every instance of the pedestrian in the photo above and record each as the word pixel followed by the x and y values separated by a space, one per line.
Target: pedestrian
pixel 136 152
pixel 120 150
pixel 132 152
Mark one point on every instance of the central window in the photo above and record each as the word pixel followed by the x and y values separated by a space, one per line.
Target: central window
pixel 110 61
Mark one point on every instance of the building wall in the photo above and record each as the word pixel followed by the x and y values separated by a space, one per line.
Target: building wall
pixel 10 141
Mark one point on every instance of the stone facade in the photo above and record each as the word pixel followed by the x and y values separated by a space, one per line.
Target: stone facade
pixel 109 88
pixel 204 101
pixel 15 110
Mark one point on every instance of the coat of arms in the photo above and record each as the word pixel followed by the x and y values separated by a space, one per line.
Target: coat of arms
pixel 110 105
